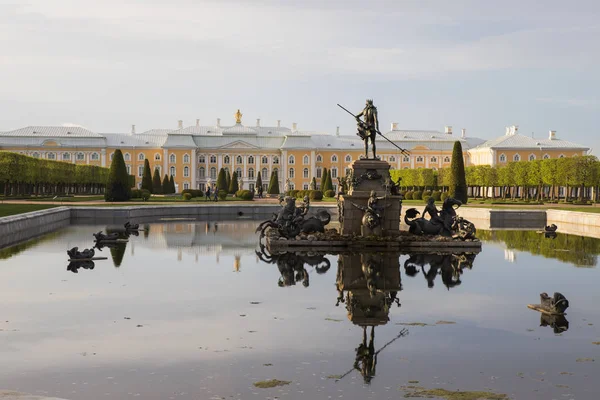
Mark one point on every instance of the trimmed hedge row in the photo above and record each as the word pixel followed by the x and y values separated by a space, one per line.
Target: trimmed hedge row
pixel 24 175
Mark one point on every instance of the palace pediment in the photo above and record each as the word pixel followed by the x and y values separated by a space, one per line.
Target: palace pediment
pixel 238 144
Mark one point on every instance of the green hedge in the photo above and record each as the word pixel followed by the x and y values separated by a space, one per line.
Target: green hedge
pixel 24 175
pixel 193 192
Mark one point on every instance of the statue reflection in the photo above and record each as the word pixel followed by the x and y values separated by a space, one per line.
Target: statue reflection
pixel 74 266
pixel 292 265
pixel 558 323
pixel 449 266
pixel 368 284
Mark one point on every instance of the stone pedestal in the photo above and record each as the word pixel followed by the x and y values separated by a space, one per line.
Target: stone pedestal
pixel 367 176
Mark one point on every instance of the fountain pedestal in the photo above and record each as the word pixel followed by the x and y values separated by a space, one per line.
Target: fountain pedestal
pixel 367 176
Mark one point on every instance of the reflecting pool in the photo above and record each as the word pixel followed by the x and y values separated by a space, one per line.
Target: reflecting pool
pixel 195 310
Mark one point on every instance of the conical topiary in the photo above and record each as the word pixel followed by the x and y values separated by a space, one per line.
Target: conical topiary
pixel 172 184
pixel 227 179
pixel 233 185
pixel 156 183
pixel 147 176
pixel 323 179
pixel 313 184
pixel 273 184
pixel 458 180
pixel 166 185
pixel 222 180
pixel 328 183
pixel 118 187
pixel 258 181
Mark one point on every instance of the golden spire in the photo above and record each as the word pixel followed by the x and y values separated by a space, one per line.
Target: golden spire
pixel 238 117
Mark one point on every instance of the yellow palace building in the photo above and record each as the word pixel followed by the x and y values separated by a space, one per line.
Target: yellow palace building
pixel 195 154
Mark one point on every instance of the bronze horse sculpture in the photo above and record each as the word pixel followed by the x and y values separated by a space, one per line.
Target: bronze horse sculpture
pixel 290 221
pixel 447 224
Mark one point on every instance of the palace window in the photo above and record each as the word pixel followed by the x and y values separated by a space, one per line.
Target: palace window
pixel 158 169
pixel 305 186
pixel 201 172
pixel 213 159
pixel 348 170
pixel 81 156
pixel 186 158
pixel 291 159
pixel 305 160
pixel 226 160
pixel 239 172
pixel 126 156
pixel 291 173
pixel 157 157
pixel 186 171
pixel 275 160
pixel 128 169
pixel 51 156
pixel 305 173
pixel 319 158
pixel 140 170
pixel 66 156
pixel 213 173
pixel 348 158
pixel 433 159
pixel 446 159
pixel 202 159
pixel 110 156
pixel 250 159
pixel 546 156
pixel 334 172
pixel 517 157
pixel 419 159
pixel 392 159
pixel 186 186
pixel 276 170
pixel 531 157
pixel 406 159
pixel 319 172
pixel 172 158
pixel 502 157
pixel 264 173
pixel 239 160
pixel 172 170
pixel 141 156
pixel 334 158
pixel 264 160
pixel 251 173
pixel 36 155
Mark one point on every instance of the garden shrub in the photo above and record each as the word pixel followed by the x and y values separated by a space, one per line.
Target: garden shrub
pixel 187 196
pixel 437 195
pixel 329 193
pixel 316 195
pixel 222 194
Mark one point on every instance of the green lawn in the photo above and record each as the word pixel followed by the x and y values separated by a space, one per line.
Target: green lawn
pixel 12 209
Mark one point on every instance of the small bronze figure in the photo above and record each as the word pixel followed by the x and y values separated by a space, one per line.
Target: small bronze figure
pixel 368 127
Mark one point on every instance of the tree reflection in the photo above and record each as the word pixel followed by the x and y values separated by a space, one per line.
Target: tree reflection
pixel 581 251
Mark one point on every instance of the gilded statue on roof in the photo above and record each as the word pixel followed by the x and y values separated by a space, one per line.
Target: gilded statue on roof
pixel 238 117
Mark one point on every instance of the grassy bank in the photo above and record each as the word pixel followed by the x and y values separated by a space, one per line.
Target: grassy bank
pixel 13 209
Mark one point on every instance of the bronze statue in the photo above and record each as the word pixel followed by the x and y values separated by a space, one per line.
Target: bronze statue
pixel 290 221
pixel 373 215
pixel 368 127
pixel 446 223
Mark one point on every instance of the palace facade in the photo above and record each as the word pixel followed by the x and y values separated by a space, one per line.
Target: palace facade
pixel 195 154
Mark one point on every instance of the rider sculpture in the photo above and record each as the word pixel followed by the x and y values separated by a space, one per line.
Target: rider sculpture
pixel 444 223
pixel 373 215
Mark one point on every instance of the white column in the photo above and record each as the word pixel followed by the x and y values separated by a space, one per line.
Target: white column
pixel 193 167
pixel 284 173
pixel 166 162
pixel 313 166
pixel 103 157
pixel 244 168
pixel 219 163
pixel 412 161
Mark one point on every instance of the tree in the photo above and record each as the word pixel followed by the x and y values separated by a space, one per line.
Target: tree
pixel 172 184
pixel 147 176
pixel 273 184
pixel 313 184
pixel 458 186
pixel 233 185
pixel 549 171
pixel 156 183
pixel 117 185
pixel 222 180
pixel 258 180
pixel 323 178
pixel 227 180
pixel 328 183
pixel 166 185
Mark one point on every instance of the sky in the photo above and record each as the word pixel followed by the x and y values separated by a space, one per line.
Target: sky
pixel 478 65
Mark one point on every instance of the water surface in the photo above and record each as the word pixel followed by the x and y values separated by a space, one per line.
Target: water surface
pixel 188 311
